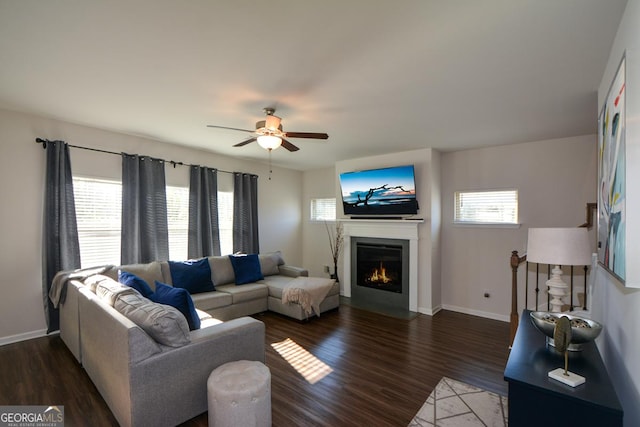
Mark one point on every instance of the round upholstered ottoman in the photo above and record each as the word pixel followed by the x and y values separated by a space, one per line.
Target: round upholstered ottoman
pixel 239 394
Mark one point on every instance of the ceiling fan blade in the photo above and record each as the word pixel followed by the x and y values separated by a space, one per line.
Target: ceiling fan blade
pixel 245 142
pixel 289 146
pixel 311 135
pixel 225 127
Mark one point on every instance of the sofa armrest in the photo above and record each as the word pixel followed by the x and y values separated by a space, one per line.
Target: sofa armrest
pixel 154 381
pixel 242 328
pixel 70 318
pixel 291 271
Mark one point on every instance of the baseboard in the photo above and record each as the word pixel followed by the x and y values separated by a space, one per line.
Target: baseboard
pixel 22 337
pixel 429 311
pixel 485 314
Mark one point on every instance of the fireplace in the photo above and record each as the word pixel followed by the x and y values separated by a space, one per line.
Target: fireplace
pixel 387 231
pixel 379 266
pixel 380 273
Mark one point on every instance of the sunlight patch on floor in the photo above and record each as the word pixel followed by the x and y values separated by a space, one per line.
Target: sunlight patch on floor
pixel 307 365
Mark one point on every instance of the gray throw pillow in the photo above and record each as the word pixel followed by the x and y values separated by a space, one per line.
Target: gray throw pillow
pixel 269 263
pixel 93 281
pixel 108 290
pixel 163 323
pixel 221 270
pixel 149 272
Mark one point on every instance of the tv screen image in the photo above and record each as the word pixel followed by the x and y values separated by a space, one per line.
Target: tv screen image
pixel 386 191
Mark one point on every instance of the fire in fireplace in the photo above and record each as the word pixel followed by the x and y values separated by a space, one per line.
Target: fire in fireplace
pixel 379 266
pixel 379 276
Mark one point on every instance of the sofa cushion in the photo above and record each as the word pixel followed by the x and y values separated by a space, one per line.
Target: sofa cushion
pixel 163 323
pixel 149 272
pixel 135 282
pixel 221 270
pixel 109 290
pixel 248 292
pixel 166 273
pixel 212 300
pixel 276 285
pixel 246 268
pixel 269 263
pixel 92 281
pixel 194 276
pixel 177 298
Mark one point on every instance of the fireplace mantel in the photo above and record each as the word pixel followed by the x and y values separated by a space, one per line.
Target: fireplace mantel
pixel 404 229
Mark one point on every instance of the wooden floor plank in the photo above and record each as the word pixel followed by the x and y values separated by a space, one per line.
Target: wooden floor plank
pixel 383 368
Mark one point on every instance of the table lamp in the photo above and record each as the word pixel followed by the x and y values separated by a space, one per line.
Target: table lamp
pixel 558 246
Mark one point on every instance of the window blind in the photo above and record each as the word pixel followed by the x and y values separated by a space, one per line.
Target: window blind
pixel 98 212
pixel 486 207
pixel 178 221
pixel 225 221
pixel 323 209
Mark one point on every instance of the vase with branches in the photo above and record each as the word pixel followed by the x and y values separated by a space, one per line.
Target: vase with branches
pixel 336 239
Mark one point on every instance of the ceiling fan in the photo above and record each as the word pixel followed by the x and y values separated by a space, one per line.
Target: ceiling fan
pixel 269 133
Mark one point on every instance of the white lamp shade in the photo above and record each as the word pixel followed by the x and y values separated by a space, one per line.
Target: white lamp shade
pixel 269 142
pixel 559 246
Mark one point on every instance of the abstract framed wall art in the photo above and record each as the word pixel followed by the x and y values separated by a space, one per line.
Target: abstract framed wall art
pixel 612 178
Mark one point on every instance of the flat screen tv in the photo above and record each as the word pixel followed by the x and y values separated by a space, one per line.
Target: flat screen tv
pixel 385 192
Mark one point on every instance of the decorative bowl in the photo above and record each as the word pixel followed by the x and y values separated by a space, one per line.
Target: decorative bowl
pixel 582 330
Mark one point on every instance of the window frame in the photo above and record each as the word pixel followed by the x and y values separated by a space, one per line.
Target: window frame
pixel 312 209
pixel 105 227
pixel 486 224
pixel 178 229
pixel 225 221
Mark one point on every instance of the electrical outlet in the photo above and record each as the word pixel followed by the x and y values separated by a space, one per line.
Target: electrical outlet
pixel 487 294
pixel 326 268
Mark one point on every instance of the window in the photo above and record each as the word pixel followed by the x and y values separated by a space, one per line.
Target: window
pixel 178 221
pixel 323 209
pixel 225 221
pixel 98 214
pixel 486 207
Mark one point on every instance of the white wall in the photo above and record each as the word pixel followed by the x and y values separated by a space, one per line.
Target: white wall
pixel 317 184
pixel 616 307
pixel 555 179
pixel 426 164
pixel 22 181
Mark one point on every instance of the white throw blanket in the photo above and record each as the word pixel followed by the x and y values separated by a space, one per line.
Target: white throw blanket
pixel 58 289
pixel 309 292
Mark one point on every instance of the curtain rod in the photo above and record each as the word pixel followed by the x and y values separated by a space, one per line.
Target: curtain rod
pixel 173 162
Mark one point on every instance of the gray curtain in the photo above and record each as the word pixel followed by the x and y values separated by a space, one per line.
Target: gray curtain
pixel 61 250
pixel 145 233
pixel 245 213
pixel 204 232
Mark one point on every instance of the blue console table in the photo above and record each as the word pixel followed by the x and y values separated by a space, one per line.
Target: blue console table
pixel 537 400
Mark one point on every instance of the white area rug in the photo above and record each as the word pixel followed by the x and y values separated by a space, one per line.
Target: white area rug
pixel 461 405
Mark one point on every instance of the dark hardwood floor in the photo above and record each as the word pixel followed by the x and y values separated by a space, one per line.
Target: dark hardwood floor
pixel 382 368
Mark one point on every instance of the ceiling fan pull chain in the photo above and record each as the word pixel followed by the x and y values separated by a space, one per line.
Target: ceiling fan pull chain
pixel 270 170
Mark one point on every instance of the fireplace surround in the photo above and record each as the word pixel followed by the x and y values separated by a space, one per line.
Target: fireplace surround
pixel 383 229
pixel 380 272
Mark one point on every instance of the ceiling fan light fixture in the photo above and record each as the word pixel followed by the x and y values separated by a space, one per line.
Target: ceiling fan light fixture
pixel 272 123
pixel 269 134
pixel 269 142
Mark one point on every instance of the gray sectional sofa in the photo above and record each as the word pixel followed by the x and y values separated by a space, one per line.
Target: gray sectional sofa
pixel 156 373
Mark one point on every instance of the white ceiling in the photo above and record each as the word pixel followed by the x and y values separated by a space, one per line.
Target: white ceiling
pixel 377 76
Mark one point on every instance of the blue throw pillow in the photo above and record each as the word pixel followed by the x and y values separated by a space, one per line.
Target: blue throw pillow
pixel 246 268
pixel 135 282
pixel 180 299
pixel 194 276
